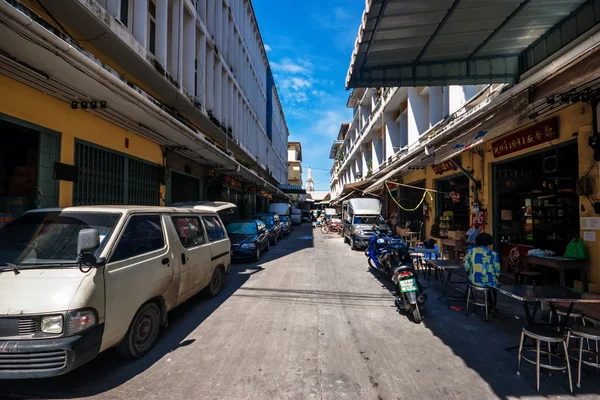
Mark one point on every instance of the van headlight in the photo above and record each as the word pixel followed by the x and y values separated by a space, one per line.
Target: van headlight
pixel 52 324
pixel 248 246
pixel 79 321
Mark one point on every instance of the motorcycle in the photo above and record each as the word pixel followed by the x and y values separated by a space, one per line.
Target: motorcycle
pixel 384 252
pixel 390 257
pixel 410 297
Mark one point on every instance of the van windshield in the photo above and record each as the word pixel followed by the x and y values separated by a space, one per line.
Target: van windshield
pixel 368 220
pixel 50 237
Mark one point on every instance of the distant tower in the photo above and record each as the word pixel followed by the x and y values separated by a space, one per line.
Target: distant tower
pixel 310 184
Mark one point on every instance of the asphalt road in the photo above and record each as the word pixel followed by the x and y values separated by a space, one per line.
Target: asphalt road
pixel 309 321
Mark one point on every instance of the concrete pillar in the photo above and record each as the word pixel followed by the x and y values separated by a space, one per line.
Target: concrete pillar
pixel 404 129
pixel 224 97
pixel 436 105
pixel 456 98
pixel 113 7
pixel 210 16
pixel 162 24
pixel 470 91
pixel 140 21
pixel 418 122
pixel 218 33
pixel 446 101
pixel 392 135
pixel 210 79
pixel 201 75
pixel 189 52
pixel 218 88
pixel 226 31
pixel 175 41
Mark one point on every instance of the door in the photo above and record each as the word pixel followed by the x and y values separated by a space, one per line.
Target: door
pixel 220 246
pixel 194 255
pixel 140 268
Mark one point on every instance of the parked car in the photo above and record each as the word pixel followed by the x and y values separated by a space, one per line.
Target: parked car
pixel 274 225
pixel 77 281
pixel 296 216
pixel 306 217
pixel 248 238
pixel 286 224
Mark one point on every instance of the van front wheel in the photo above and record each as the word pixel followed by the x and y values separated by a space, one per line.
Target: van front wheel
pixel 142 333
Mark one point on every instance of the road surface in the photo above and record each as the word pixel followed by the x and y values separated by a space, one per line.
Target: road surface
pixel 309 321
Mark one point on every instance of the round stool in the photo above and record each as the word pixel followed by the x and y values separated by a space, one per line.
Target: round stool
pixel 550 336
pixel 589 333
pixel 472 291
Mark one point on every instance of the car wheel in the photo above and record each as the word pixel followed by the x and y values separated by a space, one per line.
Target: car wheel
pixel 268 245
pixel 216 283
pixel 274 240
pixel 352 244
pixel 257 254
pixel 142 333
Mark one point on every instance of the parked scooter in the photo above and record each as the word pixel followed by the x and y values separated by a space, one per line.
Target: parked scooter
pixel 409 297
pixel 389 256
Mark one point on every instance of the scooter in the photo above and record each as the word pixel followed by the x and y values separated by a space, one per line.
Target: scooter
pixel 410 297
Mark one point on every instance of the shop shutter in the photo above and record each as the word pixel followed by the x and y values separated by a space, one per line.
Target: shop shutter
pixel 49 153
pixel 108 177
pixel 143 186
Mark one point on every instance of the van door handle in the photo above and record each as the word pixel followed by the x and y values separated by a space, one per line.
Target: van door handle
pixel 165 261
pixel 183 258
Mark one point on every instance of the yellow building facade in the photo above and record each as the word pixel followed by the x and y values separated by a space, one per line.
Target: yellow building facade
pixel 574 129
pixel 25 111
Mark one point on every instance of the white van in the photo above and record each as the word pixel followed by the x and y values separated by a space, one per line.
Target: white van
pixel 77 281
pixel 359 216
pixel 280 208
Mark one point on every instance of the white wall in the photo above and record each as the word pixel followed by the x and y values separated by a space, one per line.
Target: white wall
pixel 229 78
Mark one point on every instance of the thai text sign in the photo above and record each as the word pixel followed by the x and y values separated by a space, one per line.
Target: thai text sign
pixel 444 167
pixel 543 132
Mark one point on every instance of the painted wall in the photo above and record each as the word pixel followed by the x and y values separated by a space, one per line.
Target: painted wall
pixel 23 102
pixel 574 124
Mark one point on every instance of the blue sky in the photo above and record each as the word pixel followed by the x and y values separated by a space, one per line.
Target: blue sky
pixel 309 44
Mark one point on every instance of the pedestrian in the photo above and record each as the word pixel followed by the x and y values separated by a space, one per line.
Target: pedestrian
pixel 482 263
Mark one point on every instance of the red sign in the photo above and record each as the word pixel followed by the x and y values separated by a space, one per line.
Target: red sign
pixel 512 256
pixel 444 167
pixel 543 132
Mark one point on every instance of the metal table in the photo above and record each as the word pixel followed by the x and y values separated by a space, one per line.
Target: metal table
pixel 529 295
pixel 450 266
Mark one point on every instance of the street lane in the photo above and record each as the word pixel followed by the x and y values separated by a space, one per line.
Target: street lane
pixel 309 321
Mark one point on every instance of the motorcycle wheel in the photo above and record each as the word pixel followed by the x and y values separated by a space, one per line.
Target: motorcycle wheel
pixel 372 264
pixel 324 229
pixel 416 312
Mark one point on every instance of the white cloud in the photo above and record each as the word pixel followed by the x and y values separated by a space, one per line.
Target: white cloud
pixel 289 66
pixel 267 48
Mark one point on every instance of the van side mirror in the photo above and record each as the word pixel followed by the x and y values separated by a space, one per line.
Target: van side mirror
pixel 88 241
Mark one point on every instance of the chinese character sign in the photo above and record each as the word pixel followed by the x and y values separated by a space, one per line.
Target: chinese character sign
pixel 543 132
pixel 443 167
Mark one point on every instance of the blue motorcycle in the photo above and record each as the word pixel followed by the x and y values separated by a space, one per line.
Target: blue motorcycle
pixel 384 252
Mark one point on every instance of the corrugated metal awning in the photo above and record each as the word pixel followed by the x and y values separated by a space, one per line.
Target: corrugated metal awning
pixel 442 42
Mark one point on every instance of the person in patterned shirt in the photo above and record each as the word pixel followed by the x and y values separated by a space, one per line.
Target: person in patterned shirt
pixel 482 263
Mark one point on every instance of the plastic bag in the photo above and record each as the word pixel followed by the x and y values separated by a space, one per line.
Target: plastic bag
pixel 576 249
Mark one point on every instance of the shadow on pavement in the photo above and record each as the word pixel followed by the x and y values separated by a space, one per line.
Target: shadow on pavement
pixel 109 371
pixel 482 346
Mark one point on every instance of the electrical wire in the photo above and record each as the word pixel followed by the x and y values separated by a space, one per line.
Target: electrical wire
pixel 410 209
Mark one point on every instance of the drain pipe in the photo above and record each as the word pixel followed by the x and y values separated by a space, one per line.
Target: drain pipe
pixel 476 183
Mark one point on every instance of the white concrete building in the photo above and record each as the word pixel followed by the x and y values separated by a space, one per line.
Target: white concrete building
pixel 385 123
pixel 203 58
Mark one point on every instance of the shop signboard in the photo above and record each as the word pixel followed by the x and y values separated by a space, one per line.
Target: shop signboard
pixel 446 166
pixel 543 132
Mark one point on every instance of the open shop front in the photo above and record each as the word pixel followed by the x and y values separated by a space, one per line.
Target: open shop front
pixel 408 209
pixel 536 203
pixel 27 159
pixel 453 213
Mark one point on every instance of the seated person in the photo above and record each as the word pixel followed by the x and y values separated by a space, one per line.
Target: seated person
pixel 481 263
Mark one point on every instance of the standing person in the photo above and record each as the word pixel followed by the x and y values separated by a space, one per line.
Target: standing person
pixel 482 263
